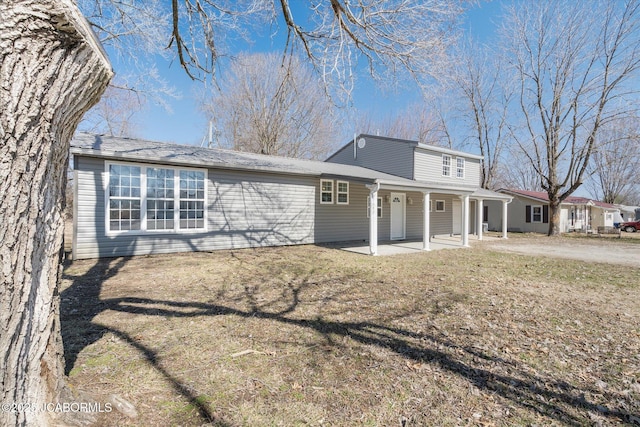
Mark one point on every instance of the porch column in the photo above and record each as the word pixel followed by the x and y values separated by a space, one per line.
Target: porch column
pixel 373 218
pixel 426 229
pixel 465 220
pixel 504 218
pixel 479 212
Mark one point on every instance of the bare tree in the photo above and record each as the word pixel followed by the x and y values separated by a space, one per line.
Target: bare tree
pixel 416 122
pixel 268 106
pixel 115 114
pixel 483 96
pixel 517 172
pixel 614 165
pixel 572 64
pixel 54 70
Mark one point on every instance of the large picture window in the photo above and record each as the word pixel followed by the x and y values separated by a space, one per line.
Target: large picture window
pixel 191 199
pixel 124 198
pixel 160 199
pixel 151 198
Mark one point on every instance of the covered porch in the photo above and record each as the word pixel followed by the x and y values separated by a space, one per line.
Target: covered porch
pixel 454 208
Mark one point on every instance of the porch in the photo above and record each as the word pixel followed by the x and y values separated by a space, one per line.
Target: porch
pixel 395 247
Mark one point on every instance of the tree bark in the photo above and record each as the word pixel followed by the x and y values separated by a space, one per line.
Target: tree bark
pixel 52 70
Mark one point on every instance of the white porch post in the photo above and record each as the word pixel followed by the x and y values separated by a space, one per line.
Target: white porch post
pixel 504 219
pixel 373 218
pixel 426 229
pixel 479 212
pixel 465 220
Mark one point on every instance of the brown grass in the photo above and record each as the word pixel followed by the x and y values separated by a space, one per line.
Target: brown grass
pixel 316 336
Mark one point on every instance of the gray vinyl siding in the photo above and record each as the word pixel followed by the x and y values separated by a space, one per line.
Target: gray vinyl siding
pixel 516 217
pixel 341 223
pixel 243 210
pixel 441 222
pixel 381 154
pixel 428 167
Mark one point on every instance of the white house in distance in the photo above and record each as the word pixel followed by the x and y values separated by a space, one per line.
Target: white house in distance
pixel 529 212
pixel 135 197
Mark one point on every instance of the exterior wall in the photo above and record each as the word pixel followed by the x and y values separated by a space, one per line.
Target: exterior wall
pixel 428 167
pixel 342 223
pixel 516 220
pixel 381 154
pixel 243 210
pixel 494 218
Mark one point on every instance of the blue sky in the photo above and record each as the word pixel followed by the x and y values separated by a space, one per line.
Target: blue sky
pixel 186 125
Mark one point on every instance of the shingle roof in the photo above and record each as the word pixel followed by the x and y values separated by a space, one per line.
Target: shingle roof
pixel 131 149
pixel 544 197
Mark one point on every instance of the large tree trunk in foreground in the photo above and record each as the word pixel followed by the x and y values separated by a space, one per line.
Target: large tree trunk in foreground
pixel 52 70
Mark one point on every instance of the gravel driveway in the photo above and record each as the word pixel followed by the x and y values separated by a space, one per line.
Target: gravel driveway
pixel 604 250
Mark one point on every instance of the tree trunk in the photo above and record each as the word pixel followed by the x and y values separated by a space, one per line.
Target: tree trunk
pixel 52 70
pixel 554 216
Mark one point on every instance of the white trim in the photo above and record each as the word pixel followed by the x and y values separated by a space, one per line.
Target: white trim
pixel 458 168
pixel 143 200
pixel 338 192
pixel 446 156
pixel 326 192
pixel 444 206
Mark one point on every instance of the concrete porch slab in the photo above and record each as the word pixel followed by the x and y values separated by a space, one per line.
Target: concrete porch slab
pixel 400 247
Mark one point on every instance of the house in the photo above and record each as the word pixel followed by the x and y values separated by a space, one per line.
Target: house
pixel 136 197
pixel 529 212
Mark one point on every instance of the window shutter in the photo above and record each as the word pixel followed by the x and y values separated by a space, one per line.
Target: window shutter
pixel 527 213
pixel 485 213
pixel 545 214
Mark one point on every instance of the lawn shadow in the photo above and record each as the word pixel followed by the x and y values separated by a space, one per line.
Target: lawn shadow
pixel 538 393
pixel 80 303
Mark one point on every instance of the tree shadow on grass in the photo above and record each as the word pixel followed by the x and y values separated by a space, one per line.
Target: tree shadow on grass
pixel 543 395
pixel 80 303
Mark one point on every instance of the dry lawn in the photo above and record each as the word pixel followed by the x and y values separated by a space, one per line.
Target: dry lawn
pixel 316 336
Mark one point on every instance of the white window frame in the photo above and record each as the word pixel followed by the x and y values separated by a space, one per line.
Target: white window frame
pixel 444 206
pixel 460 168
pixel 322 192
pixel 446 165
pixel 338 192
pixel 143 200
pixel 533 208
pixel 379 207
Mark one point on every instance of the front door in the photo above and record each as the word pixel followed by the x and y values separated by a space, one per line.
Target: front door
pixel 398 215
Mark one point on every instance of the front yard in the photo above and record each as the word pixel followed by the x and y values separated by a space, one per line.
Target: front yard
pixel 316 336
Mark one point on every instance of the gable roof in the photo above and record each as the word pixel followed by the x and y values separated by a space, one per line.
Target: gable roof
pixel 544 197
pixel 413 143
pixel 130 149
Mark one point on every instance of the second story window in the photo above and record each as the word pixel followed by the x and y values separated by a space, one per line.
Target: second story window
pixel 459 167
pixel 446 165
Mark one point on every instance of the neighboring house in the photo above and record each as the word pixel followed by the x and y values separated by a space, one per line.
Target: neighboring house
pixel 628 213
pixel 136 197
pixel 529 212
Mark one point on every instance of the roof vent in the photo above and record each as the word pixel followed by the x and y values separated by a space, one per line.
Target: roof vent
pixel 362 142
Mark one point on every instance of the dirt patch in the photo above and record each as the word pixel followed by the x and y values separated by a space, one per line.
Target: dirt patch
pixel 606 250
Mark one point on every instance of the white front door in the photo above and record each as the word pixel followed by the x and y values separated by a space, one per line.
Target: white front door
pixel 398 215
pixel 456 216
